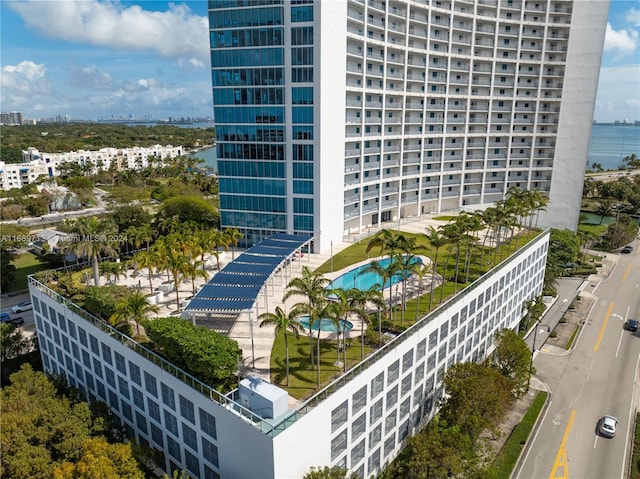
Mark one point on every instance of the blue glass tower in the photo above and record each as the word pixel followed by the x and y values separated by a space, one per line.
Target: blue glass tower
pixel 263 95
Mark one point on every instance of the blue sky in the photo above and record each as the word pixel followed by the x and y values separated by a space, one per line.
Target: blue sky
pixel 100 58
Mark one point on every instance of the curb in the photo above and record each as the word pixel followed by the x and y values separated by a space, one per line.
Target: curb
pixel 533 434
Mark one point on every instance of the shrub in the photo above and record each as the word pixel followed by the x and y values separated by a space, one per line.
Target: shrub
pixel 208 355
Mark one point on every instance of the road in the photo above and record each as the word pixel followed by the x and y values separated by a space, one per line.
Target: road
pixel 598 377
pixel 56 217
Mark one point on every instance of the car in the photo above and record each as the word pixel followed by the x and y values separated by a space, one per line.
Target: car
pixel 631 325
pixel 24 306
pixel 608 425
pixel 5 317
pixel 627 249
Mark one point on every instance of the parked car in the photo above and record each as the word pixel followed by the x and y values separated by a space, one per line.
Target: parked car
pixel 7 319
pixel 24 306
pixel 608 425
pixel 627 249
pixel 631 325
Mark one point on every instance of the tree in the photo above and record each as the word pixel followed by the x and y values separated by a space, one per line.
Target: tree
pixel 478 397
pixel 233 238
pixel 13 346
pixel 360 300
pixel 7 270
pixel 327 472
pixel 312 287
pixel 134 307
pixel 512 359
pixel 605 208
pixel 437 241
pixel 189 209
pixel 101 459
pixel 438 452
pixel 283 322
pixel 146 259
pixel 43 430
pixel 91 238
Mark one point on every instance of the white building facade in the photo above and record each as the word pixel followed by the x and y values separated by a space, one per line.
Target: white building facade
pixel 37 163
pixel 339 115
pixel 360 421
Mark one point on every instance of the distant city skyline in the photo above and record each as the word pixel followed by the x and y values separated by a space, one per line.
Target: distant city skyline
pixel 99 59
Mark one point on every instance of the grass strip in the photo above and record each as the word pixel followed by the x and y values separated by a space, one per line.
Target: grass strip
pixel 508 456
pixel 635 458
pixel 572 338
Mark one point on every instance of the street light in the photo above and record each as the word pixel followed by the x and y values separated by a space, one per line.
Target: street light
pixel 533 349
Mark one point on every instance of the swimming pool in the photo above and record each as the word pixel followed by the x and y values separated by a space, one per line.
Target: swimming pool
pixel 326 325
pixel 362 279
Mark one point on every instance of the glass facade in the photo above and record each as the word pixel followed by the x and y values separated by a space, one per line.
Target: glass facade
pixel 252 108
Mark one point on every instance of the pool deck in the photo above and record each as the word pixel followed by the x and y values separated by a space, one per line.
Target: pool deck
pixel 257 353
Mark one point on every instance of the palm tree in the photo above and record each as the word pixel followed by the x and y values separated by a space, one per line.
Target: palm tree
pixel 452 233
pixel 203 243
pixel 219 239
pixel 136 307
pixel 233 237
pixel 176 263
pixel 114 268
pixel 312 287
pixel 283 322
pixel 146 259
pixel 437 240
pixel 386 274
pixel 360 299
pixel 420 270
pixel 91 239
pixel 192 270
pixel 385 240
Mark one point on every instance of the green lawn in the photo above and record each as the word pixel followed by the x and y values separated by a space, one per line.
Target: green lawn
pixel 596 230
pixel 303 379
pixel 508 455
pixel 26 264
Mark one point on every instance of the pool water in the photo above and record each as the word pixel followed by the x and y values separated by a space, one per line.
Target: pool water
pixel 362 279
pixel 326 325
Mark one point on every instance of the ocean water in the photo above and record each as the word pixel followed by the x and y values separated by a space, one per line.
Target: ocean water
pixel 609 144
pixel 208 155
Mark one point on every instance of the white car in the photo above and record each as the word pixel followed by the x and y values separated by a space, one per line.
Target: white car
pixel 24 306
pixel 608 426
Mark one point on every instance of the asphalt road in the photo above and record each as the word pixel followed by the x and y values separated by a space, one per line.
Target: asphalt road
pixel 598 377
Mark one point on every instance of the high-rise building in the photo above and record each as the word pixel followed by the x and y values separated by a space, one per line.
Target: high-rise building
pixel 334 116
pixel 11 118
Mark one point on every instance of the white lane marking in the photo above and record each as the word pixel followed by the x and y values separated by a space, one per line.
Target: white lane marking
pixel 619 342
pixel 535 436
pixel 632 413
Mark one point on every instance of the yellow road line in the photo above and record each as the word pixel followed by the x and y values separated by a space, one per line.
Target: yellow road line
pixel 561 457
pixel 626 273
pixel 602 328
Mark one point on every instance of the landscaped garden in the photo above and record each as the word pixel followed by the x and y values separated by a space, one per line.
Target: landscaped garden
pixel 460 253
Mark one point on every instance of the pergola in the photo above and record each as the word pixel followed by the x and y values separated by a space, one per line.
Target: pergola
pixel 236 287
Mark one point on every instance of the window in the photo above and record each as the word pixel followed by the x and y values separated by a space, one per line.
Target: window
pixel 359 400
pixel 186 409
pixel 190 437
pixel 208 424
pixel 168 398
pixel 338 445
pixel 339 416
pixel 210 452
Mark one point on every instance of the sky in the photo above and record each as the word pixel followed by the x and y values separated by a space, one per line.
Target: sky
pixel 93 59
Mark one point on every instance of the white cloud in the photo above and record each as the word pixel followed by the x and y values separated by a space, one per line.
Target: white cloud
pixel 90 77
pixel 26 79
pixel 633 17
pixel 622 41
pixel 618 93
pixel 175 33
